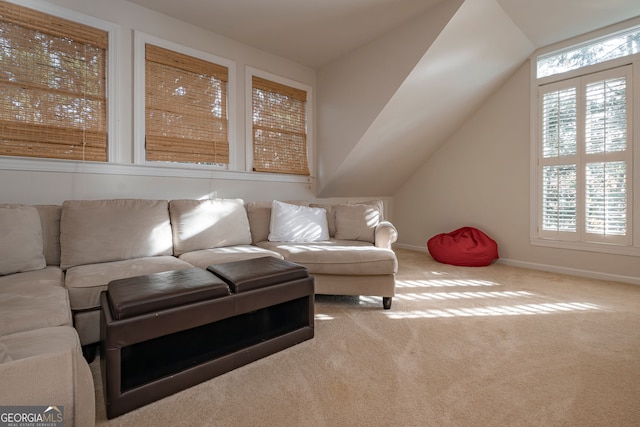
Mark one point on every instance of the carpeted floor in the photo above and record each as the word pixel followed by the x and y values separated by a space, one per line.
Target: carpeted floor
pixel 489 346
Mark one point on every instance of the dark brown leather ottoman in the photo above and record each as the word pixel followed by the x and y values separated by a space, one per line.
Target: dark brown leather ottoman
pixel 164 332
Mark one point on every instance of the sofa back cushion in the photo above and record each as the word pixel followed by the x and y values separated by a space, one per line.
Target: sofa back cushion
pixel 206 224
pixel 259 214
pixel 4 354
pixel 20 240
pixel 50 220
pixel 357 222
pixel 346 217
pixel 93 231
pixel 330 209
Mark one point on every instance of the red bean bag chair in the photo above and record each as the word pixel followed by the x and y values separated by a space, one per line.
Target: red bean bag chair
pixel 466 246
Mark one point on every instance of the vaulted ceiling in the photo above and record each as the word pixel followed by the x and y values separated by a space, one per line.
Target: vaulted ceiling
pixel 439 60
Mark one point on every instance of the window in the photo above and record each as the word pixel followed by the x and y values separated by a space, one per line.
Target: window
pixel 585 148
pixel 53 101
pixel 186 108
pixel 614 46
pixel 585 160
pixel 279 127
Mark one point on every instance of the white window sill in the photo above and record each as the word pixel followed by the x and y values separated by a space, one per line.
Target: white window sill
pixel 161 170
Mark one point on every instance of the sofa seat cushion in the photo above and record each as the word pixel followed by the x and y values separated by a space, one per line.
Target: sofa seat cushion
pixel 50 276
pixel 337 257
pixel 85 282
pixel 27 305
pixel 25 344
pixel 207 257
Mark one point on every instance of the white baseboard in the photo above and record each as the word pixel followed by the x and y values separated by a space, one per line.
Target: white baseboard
pixel 550 268
pixel 410 247
pixel 572 271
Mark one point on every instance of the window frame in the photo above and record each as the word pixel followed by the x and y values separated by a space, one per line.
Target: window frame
pixel 580 242
pixel 250 72
pixel 122 118
pixel 139 101
pixel 112 84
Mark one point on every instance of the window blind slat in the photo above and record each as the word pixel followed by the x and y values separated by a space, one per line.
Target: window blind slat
pixel 183 62
pixel 274 87
pixel 49 142
pixel 165 149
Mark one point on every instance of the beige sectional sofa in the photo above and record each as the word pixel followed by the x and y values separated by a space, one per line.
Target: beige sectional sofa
pixel 357 259
pixel 58 259
pixel 41 361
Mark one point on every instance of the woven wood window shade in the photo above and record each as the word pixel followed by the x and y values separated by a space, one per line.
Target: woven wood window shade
pixel 186 108
pixel 53 100
pixel 279 128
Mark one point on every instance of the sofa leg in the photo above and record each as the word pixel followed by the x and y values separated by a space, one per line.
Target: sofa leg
pixel 89 351
pixel 386 302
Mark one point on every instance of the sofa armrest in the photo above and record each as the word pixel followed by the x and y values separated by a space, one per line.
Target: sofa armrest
pixel 62 378
pixel 385 235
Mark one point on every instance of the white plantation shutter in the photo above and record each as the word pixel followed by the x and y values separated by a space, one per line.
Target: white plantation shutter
pixel 607 156
pixel 606 198
pixel 559 123
pixel 606 116
pixel 558 164
pixel 559 198
pixel 584 164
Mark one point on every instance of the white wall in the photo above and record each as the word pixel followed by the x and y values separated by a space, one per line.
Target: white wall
pixel 353 90
pixel 480 178
pixel 124 180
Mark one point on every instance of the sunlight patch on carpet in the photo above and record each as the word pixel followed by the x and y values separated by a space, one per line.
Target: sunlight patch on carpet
pixel 320 316
pixel 443 283
pixel 462 295
pixel 503 310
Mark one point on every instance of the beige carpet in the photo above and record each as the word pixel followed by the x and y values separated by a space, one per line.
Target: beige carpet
pixel 489 346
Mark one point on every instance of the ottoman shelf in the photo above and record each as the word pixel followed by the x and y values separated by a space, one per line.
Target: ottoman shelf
pixel 145 361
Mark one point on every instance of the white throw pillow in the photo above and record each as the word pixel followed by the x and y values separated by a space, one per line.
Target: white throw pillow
pixel 293 223
pixel 20 240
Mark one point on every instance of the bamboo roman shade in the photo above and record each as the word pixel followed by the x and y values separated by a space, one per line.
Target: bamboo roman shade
pixel 279 128
pixel 53 100
pixel 186 108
